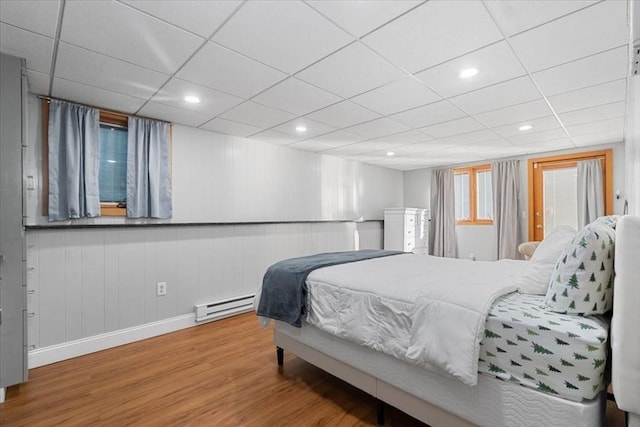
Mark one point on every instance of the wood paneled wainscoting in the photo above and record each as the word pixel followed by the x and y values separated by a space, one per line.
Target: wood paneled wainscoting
pixel 222 373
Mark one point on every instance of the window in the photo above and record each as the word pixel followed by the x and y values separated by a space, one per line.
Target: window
pixel 473 195
pixel 113 164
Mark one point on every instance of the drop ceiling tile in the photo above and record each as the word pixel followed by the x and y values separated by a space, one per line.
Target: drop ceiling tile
pixel 535 137
pixel 549 145
pixel 173 114
pixel 296 96
pixel 595 29
pixel 600 126
pixel 38 83
pixel 212 102
pixel 481 146
pixel 106 73
pixel 361 17
pixel 310 145
pixel 400 95
pixel 590 97
pixel 422 147
pixel 378 128
pixel 284 34
pixel 161 46
pixel 600 112
pixel 200 17
pixel 512 92
pixel 230 128
pixel 590 71
pixel 434 32
pixel 504 152
pixel 427 115
pixel 36 49
pixel 408 137
pixel 514 17
pixel 338 138
pixel 345 150
pixel 515 113
pixel 220 68
pixel 607 137
pixel 313 128
pixel 272 137
pixel 373 145
pixel 343 114
pixel 537 125
pixel 257 115
pixel 471 137
pixel 32 15
pixel 350 71
pixel 495 64
pixel 453 127
pixel 65 89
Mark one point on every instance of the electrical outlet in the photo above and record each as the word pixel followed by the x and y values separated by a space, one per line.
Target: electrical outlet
pixel 161 289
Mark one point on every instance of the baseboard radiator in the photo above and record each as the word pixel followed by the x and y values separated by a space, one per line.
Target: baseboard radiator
pixel 225 308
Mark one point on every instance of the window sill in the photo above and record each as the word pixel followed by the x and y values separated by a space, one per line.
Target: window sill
pixel 112 210
pixel 474 222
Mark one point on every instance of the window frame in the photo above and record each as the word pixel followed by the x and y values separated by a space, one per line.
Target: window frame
pixel 473 190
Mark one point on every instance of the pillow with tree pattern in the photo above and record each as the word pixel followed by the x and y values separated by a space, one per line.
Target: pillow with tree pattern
pixel 582 279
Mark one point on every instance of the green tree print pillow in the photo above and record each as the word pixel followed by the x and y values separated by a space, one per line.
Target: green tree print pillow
pixel 582 280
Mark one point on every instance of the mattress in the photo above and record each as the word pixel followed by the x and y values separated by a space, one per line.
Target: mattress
pixel 374 315
pixel 559 354
pixel 492 402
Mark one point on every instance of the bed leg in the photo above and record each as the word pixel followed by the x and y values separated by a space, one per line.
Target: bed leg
pixel 380 412
pixel 280 356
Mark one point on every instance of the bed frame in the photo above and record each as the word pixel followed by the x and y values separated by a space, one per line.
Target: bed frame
pixel 440 401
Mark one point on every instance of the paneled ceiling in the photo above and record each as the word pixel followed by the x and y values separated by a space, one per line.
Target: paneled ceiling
pixel 365 78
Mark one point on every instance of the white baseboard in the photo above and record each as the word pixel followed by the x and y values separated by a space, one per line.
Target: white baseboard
pixel 59 352
pixel 2 394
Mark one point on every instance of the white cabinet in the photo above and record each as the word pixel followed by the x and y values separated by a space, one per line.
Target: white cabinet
pixel 406 229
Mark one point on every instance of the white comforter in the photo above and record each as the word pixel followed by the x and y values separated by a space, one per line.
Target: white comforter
pixel 427 310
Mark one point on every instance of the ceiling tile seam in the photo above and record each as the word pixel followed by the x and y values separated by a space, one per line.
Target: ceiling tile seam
pixel 103 89
pixel 371 31
pixel 56 43
pixel 611 49
pixel 556 18
pixel 198 49
pixel 27 30
pixel 535 83
pixel 593 106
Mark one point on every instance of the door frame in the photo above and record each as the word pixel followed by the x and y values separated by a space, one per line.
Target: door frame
pixel 535 199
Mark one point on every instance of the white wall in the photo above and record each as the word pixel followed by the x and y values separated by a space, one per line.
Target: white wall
pixel 479 239
pixel 246 204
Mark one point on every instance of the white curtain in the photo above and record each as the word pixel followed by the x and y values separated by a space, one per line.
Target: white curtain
pixel 442 233
pixel 74 163
pixel 590 191
pixel 148 169
pixel 505 177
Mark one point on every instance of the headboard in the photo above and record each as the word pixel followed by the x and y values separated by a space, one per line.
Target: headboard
pixel 625 324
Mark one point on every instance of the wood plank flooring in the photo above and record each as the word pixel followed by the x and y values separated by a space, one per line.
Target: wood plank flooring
pixel 218 374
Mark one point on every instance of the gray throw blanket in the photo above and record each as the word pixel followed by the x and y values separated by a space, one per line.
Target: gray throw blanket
pixel 284 288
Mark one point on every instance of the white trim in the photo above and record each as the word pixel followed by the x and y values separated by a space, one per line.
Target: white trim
pixel 56 353
pixel 2 394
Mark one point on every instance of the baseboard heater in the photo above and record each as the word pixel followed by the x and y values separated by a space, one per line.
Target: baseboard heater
pixel 225 308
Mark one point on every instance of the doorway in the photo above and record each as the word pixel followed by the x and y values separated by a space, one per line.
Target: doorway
pixel 553 199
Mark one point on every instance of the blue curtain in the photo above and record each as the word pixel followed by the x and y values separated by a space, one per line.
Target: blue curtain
pixel 74 150
pixel 148 169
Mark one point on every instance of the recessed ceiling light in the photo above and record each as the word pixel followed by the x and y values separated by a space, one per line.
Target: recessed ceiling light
pixel 390 153
pixel 301 128
pixel 111 161
pixel 469 72
pixel 192 99
pixel 525 127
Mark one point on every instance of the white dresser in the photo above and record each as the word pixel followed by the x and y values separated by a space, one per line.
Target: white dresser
pixel 406 229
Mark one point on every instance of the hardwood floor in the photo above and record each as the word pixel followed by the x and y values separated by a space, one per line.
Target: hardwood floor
pixel 218 374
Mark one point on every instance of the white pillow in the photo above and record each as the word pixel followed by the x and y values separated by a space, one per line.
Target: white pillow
pixel 535 278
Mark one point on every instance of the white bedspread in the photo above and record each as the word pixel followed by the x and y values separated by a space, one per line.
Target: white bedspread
pixel 429 311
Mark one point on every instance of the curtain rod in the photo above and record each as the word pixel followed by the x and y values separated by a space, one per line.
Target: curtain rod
pixel 117 113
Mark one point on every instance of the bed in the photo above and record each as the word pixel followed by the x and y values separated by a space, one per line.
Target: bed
pixel 386 355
